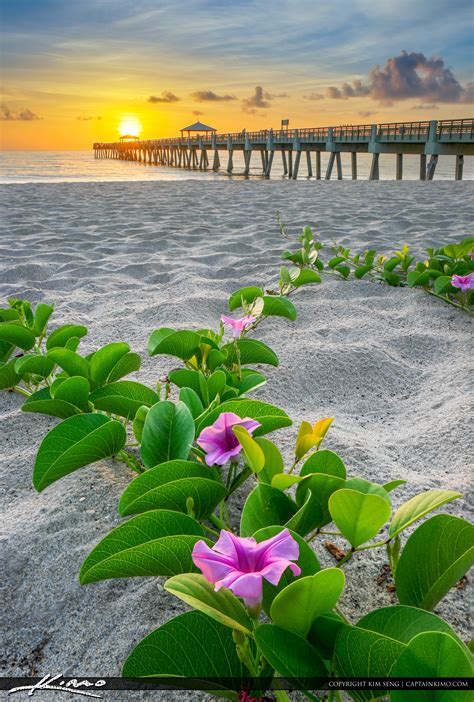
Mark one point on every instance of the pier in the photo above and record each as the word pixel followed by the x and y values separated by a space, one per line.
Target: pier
pixel 300 149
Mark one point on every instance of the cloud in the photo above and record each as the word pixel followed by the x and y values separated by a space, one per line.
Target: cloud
pixel 366 113
pixel 166 96
pixel 314 96
pixel 210 96
pixel 26 115
pixel 408 75
pixel 258 101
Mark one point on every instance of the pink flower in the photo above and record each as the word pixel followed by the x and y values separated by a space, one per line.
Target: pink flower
pixel 238 325
pixel 219 441
pixel 240 564
pixel 463 282
pixel 471 255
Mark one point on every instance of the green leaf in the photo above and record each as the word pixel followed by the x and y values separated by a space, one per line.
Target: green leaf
pixel 215 359
pixel 393 485
pixel 251 351
pixel 254 456
pixel 185 378
pixel 297 606
pixel 368 488
pixel 249 294
pixel 442 285
pixel 188 646
pixel 278 306
pixel 360 271
pixel 182 344
pixel 169 485
pixel 8 376
pixel 321 487
pixel 192 401
pixel 74 390
pixel 129 363
pixel 123 398
pixel 216 384
pixel 343 270
pixel 323 634
pixel 36 364
pixel 42 314
pixel 105 360
pixel 139 422
pixel 306 276
pixel 155 543
pixel 8 314
pixel 403 623
pixel 70 361
pixel 333 262
pixel 17 335
pixel 324 461
pixel 76 442
pixel 360 653
pixel 433 655
pixel 265 506
pixel 391 278
pixel 290 655
pixel 168 433
pixel 251 380
pixel 417 507
pixel 270 417
pixel 415 278
pixel 41 402
pixel 273 460
pixel 61 336
pixel 223 606
pixel 359 517
pixel 438 553
pixel 307 561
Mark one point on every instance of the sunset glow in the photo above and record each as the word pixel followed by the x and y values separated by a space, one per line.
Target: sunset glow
pixel 130 126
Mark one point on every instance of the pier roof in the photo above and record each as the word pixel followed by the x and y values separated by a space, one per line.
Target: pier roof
pixel 198 127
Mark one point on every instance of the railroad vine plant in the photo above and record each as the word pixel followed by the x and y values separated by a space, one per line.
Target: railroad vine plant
pixel 446 272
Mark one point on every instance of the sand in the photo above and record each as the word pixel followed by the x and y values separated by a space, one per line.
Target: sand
pixel 391 365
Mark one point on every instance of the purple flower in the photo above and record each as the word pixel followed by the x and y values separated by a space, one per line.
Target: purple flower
pixel 219 441
pixel 238 325
pixel 240 564
pixel 463 282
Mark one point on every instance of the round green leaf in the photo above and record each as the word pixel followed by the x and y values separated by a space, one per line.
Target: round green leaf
pixel 76 442
pixel 41 402
pixel 8 376
pixel 168 433
pixel 59 337
pixel 368 488
pixel 36 364
pixel 223 606
pixel 297 606
pixel 254 455
pixel 182 344
pixel 417 507
pixel 103 361
pixel 291 655
pixel 70 361
pixel 248 294
pixel 124 398
pixel 279 307
pixel 17 335
pixel 192 400
pixel 251 351
pixel 265 506
pixel 438 553
pixel 273 464
pixel 128 363
pixel 321 487
pixel 138 494
pixel 403 623
pixel 74 390
pixel 433 654
pixel 42 314
pixel 155 543
pixel 358 516
pixel 188 646
pixel 324 461
pixel 305 277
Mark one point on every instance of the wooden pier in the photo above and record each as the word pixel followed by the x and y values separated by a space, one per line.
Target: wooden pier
pixel 429 140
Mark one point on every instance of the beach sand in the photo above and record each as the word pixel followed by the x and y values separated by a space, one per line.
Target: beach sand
pixel 391 365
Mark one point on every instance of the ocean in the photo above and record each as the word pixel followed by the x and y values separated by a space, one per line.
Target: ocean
pixel 81 166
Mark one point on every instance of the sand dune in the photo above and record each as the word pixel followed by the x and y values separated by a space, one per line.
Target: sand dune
pixel 391 365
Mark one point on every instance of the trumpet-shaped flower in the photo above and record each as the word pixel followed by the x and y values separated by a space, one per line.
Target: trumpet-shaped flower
pixel 238 325
pixel 219 441
pixel 241 564
pixel 463 282
pixel 310 436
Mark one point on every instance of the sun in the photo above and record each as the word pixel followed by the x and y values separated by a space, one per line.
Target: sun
pixel 129 126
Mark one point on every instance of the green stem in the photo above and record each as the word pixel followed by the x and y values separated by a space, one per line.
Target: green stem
pixel 348 555
pixel 376 545
pixel 130 460
pixel 211 531
pixel 214 519
pixel 281 695
pixel 21 391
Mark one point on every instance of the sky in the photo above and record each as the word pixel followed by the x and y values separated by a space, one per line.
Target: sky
pixel 74 72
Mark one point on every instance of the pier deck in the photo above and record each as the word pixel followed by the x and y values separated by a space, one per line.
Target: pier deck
pixel 428 139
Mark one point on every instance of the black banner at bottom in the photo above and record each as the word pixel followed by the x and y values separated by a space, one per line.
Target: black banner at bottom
pixel 94 687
